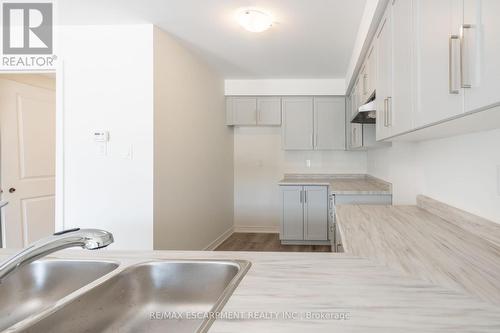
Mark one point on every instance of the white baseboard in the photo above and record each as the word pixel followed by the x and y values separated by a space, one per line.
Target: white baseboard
pixel 212 246
pixel 257 229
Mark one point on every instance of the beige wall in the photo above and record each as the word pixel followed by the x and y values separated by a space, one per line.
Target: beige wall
pixel 193 150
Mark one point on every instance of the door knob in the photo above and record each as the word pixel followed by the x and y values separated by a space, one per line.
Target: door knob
pixel 12 190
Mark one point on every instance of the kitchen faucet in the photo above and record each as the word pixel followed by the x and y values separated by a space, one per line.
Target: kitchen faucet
pixel 90 239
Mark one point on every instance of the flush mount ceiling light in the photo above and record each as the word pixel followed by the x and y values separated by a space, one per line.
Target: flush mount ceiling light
pixel 254 20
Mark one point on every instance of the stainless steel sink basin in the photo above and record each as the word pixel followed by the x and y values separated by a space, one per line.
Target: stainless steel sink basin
pixel 41 284
pixel 137 299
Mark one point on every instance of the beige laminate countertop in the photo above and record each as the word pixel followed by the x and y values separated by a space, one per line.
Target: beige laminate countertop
pixel 341 184
pixel 417 243
pixel 374 298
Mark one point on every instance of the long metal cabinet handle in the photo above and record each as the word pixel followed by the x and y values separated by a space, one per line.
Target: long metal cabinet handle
pixel 305 196
pixel 462 81
pixel 301 199
pixel 389 111
pixel 450 64
pixel 386 124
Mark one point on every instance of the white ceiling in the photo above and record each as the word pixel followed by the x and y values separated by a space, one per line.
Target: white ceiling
pixel 312 38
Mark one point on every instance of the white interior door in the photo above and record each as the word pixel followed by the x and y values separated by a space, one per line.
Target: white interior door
pixel 27 139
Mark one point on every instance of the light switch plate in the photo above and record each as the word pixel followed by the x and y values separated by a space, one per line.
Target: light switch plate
pixel 308 163
pixel 100 136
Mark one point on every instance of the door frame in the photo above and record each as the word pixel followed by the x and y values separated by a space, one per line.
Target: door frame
pixel 60 147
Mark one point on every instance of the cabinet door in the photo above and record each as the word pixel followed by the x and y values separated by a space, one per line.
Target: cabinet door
pixel 355 99
pixel 384 75
pixel 401 101
pixel 269 111
pixel 481 54
pixel 316 213
pixel 359 93
pixel 292 215
pixel 371 67
pixel 355 131
pixel 356 136
pixel 437 50
pixel 329 123
pixel 363 81
pixel 244 110
pixel 297 129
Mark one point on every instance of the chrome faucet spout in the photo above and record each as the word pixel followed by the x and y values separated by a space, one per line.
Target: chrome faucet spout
pixel 90 239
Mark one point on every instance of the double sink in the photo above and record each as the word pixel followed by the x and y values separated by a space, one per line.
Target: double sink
pixel 90 296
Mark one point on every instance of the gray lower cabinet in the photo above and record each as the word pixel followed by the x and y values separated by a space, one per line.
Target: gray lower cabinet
pixel 304 215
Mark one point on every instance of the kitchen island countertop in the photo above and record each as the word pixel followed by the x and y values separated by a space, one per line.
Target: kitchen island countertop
pixel 315 289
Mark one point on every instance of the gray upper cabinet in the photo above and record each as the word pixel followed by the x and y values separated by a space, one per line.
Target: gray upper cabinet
pixel 241 111
pixel 297 129
pixel 252 111
pixel 315 213
pixel 329 123
pixel 313 123
pixel 269 111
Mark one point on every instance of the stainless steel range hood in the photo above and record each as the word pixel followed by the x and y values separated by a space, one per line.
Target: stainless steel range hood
pixel 366 113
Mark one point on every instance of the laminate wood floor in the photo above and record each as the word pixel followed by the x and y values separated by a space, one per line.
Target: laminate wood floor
pixel 266 243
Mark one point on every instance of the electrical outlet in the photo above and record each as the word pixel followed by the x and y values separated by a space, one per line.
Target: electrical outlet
pixel 308 163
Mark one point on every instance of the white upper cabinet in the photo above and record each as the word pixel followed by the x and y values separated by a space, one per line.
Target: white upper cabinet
pixel 354 131
pixel 437 46
pixel 329 123
pixel 480 35
pixel 355 99
pixel 251 111
pixel 384 76
pixel 298 123
pixel 269 111
pixel 433 61
pixel 363 84
pixel 394 71
pixel 371 70
pixel 400 103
